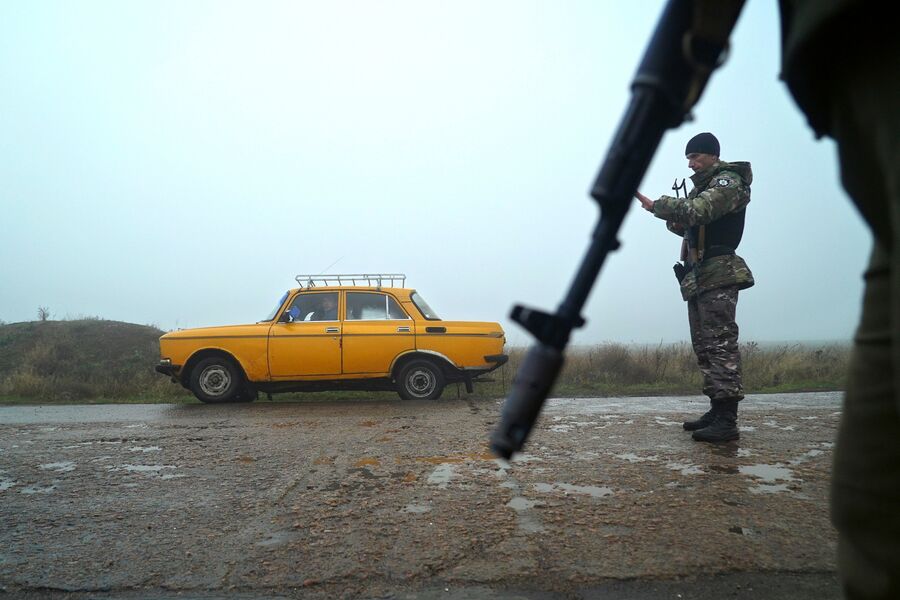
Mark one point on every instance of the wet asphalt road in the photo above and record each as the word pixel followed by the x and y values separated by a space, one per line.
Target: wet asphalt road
pixel 393 499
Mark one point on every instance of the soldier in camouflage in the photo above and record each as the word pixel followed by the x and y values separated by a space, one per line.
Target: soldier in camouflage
pixel 711 220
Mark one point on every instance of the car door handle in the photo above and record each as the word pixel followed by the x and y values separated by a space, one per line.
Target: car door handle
pixel 403 330
pixel 332 330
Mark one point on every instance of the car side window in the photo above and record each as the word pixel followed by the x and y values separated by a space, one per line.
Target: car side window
pixel 314 307
pixel 364 306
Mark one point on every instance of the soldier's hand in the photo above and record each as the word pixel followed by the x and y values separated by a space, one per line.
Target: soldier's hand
pixel 646 202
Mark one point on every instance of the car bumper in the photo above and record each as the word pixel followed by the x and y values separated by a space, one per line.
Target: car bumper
pixel 167 368
pixel 496 360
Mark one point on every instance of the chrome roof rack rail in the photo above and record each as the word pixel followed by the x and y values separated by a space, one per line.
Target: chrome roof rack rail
pixel 378 280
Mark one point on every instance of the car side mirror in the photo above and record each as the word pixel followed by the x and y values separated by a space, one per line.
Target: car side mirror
pixel 286 317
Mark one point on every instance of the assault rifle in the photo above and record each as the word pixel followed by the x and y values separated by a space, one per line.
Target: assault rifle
pixel 689 43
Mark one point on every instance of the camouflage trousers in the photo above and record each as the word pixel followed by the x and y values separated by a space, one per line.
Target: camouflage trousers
pixel 714 335
pixel 865 488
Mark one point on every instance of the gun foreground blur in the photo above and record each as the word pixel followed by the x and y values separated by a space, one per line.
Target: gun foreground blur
pixel 689 43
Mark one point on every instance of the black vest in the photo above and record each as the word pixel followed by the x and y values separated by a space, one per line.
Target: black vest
pixel 722 235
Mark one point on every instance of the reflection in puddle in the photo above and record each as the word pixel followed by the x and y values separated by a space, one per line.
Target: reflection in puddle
pixel 566 488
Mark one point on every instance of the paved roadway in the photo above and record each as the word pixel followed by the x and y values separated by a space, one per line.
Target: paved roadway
pixel 393 499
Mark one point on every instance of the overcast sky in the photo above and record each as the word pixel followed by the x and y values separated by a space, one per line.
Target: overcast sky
pixel 178 163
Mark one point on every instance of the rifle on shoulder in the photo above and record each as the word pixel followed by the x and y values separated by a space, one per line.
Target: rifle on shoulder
pixel 689 43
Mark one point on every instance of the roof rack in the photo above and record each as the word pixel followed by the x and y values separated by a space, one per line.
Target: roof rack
pixel 362 279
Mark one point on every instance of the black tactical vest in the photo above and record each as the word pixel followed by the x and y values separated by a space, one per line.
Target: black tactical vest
pixel 722 235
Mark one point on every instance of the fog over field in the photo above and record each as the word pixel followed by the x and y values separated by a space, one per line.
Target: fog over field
pixel 177 163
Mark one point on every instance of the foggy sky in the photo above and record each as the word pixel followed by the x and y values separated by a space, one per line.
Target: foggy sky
pixel 177 164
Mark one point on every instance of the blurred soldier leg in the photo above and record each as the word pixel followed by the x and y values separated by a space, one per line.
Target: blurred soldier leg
pixel 718 337
pixel 866 482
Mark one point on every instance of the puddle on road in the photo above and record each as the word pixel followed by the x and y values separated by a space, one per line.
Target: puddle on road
pixel 59 467
pixel 770 488
pixel 633 458
pixel 528 521
pixel 806 456
pixel 416 509
pixel 685 468
pixel 767 478
pixel 775 425
pixel 768 473
pixel 442 475
pixel 521 503
pixel 279 538
pixel 37 489
pixel 567 488
pixel 5 482
pixel 144 449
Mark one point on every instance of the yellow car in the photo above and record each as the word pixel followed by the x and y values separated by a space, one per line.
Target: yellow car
pixel 342 332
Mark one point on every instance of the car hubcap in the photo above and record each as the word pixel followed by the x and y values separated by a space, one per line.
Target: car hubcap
pixel 215 380
pixel 421 382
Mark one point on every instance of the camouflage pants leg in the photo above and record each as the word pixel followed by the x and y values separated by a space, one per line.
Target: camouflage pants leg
pixel 865 492
pixel 714 336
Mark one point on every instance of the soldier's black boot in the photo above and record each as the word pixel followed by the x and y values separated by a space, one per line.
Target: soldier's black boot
pixel 703 421
pixel 724 425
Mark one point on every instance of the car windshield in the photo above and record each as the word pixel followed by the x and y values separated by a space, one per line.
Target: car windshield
pixel 275 310
pixel 424 308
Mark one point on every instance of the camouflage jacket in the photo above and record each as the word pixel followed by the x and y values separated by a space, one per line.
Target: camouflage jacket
pixel 719 190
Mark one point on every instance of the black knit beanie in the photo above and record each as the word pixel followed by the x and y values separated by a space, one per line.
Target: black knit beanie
pixel 703 143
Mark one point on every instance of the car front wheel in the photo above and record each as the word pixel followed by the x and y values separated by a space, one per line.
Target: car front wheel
pixel 420 380
pixel 216 379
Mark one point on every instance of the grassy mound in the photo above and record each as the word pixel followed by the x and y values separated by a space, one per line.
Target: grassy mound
pixel 83 360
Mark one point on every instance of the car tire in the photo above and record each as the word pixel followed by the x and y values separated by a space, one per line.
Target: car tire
pixel 247 394
pixel 420 380
pixel 217 380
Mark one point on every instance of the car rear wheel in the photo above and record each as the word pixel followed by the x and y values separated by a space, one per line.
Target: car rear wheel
pixel 420 380
pixel 216 379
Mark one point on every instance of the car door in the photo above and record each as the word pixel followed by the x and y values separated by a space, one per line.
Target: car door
pixel 306 339
pixel 375 331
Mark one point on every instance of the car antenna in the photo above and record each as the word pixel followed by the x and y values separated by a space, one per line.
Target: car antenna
pixel 325 270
